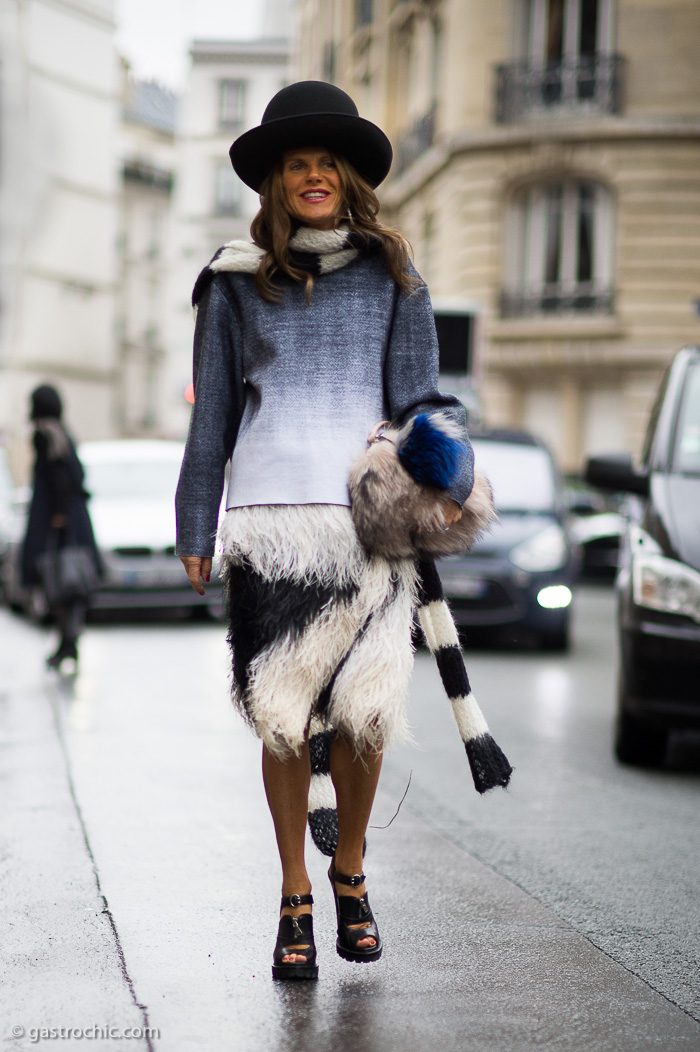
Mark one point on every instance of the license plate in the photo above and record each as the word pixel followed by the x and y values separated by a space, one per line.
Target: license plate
pixel 465 587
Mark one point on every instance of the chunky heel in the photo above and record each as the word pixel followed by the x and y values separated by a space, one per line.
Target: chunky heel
pixel 349 910
pixel 297 931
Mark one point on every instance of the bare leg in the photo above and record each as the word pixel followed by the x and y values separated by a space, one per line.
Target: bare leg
pixel 355 777
pixel 287 789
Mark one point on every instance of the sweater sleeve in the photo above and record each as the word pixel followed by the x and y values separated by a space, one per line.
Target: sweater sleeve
pixel 411 376
pixel 219 399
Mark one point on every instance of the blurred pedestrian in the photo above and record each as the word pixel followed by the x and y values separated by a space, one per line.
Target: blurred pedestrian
pixel 58 521
pixel 305 340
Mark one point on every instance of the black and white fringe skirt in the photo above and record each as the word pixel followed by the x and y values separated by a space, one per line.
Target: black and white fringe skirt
pixel 317 627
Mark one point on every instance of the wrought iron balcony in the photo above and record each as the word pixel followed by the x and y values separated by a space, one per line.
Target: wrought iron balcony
pixel 589 84
pixel 557 299
pixel 140 172
pixel 415 141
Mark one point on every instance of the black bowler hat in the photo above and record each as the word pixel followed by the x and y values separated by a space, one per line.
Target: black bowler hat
pixel 311 113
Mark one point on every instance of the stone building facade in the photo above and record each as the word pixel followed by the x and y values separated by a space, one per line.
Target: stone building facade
pixel 59 212
pixel 147 151
pixel 229 85
pixel 547 169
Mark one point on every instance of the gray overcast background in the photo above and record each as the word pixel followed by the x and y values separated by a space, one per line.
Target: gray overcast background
pixel 154 35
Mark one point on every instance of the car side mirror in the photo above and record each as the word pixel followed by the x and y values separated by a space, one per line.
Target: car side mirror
pixel 616 471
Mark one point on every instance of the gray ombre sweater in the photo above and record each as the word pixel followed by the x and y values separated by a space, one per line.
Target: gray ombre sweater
pixel 290 391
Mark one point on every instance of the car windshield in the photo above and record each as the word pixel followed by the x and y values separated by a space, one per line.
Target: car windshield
pixel 132 480
pixel 522 477
pixel 686 455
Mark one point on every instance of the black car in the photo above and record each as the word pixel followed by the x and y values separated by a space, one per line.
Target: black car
pixel 517 580
pixel 596 525
pixel 659 577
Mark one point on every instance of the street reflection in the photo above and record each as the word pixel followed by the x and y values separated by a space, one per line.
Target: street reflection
pixel 552 701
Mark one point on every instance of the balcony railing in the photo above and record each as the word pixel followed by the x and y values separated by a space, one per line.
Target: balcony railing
pixel 140 172
pixel 415 141
pixel 556 299
pixel 589 83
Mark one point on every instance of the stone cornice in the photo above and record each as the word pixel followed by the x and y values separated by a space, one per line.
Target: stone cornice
pixel 84 87
pixel 79 284
pixel 67 371
pixel 514 330
pixel 504 137
pixel 274 52
pixel 100 11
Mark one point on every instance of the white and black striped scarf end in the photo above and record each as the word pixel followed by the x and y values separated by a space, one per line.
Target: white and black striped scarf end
pixel 489 766
pixel 488 763
pixel 322 814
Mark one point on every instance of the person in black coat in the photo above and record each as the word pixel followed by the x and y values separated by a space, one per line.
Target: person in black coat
pixel 58 512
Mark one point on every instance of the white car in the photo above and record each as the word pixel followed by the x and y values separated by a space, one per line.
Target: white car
pixel 132 485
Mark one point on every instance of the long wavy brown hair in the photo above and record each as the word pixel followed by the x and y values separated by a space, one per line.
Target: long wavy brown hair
pixel 273 226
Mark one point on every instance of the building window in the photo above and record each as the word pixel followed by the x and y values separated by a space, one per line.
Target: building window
pixel 364 13
pixel 559 251
pixel 419 43
pixel 231 104
pixel 566 61
pixel 227 191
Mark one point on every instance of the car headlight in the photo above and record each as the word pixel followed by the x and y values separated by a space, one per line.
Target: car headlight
pixel 664 584
pixel 546 550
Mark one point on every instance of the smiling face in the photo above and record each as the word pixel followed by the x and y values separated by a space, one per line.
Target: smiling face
pixel 312 187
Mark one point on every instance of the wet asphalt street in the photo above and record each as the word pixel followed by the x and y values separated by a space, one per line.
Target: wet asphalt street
pixel 140 883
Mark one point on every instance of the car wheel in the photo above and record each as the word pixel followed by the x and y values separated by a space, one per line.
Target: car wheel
pixel 555 642
pixel 556 639
pixel 637 742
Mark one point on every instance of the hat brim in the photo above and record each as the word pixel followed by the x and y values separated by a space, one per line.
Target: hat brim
pixel 363 144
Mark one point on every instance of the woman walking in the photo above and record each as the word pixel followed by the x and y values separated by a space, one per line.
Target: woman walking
pixel 58 516
pixel 305 340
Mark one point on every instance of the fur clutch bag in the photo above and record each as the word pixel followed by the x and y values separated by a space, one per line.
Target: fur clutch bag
pixel 398 491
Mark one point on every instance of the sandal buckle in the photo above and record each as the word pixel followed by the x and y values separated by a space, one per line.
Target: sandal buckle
pixel 355 880
pixel 295 900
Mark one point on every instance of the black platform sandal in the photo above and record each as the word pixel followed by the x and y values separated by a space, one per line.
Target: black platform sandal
pixel 297 931
pixel 349 910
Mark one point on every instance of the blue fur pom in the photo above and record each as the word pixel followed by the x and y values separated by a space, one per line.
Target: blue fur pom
pixel 429 455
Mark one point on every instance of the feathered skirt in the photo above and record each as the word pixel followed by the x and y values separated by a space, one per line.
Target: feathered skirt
pixel 317 627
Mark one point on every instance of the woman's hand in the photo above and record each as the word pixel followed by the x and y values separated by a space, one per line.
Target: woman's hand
pixel 442 515
pixel 198 569
pixel 452 513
